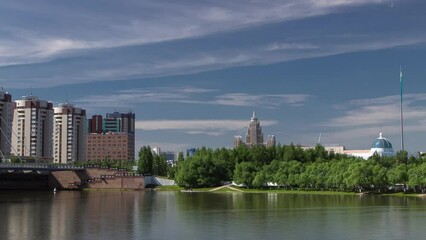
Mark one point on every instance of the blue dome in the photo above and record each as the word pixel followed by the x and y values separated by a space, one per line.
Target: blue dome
pixel 381 142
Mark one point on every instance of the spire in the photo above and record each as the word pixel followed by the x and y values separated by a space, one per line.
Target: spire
pixel 253 117
pixel 380 135
pixel 401 114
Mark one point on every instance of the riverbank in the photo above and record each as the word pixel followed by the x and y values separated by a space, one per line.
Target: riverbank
pixel 281 191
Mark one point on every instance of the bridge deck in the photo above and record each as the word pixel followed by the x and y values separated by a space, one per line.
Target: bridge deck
pixel 39 167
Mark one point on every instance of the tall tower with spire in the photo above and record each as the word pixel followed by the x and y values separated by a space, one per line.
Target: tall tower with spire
pixel 254 136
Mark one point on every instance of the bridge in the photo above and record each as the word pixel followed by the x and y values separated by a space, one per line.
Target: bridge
pixel 48 176
pixel 37 168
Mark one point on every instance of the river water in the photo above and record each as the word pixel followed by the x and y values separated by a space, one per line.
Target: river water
pixel 176 215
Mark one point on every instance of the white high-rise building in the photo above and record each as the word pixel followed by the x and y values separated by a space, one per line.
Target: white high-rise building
pixel 6 114
pixel 69 134
pixel 32 128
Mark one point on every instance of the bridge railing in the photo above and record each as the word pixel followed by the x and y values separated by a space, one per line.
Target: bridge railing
pixel 39 166
pixel 121 171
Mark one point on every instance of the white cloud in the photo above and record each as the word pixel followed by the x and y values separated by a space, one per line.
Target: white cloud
pixel 290 46
pixel 194 126
pixel 334 3
pixel 107 27
pixel 363 119
pixel 265 100
pixel 379 111
pixel 191 95
pixel 94 50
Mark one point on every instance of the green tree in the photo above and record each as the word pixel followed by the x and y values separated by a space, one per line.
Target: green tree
pixel 245 173
pixel 145 161
pixel 259 179
pixel 187 175
pixel 357 176
pixel 159 165
pixel 397 175
pixel 289 153
pixel 401 157
pixel 180 157
pixel 379 177
pixel 320 153
pixel 201 170
pixel 417 177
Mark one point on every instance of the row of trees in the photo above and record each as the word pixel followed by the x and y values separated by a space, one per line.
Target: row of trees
pixel 152 164
pixel 291 167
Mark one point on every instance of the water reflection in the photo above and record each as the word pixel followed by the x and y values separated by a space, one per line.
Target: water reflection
pixel 174 215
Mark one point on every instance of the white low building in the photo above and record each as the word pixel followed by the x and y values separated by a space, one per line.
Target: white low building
pixel 381 146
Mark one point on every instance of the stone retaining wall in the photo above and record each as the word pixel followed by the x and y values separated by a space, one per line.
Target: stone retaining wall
pixel 95 178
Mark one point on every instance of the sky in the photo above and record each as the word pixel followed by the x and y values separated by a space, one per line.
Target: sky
pixel 194 71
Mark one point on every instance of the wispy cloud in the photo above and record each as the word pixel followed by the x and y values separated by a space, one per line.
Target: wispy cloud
pixel 213 127
pixel 133 97
pixel 139 26
pixel 363 119
pixel 379 111
pixel 99 47
pixel 290 46
pixel 266 100
pixel 192 95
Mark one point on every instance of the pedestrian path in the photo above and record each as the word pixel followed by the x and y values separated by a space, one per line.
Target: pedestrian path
pixel 226 186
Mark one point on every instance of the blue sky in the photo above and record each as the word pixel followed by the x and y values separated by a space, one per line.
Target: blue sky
pixel 193 71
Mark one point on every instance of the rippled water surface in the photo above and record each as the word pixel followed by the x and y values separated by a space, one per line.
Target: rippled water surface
pixel 175 215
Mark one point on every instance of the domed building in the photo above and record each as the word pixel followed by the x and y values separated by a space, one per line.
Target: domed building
pixel 382 146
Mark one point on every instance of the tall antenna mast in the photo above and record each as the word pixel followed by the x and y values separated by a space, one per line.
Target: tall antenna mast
pixel 402 117
pixel 319 138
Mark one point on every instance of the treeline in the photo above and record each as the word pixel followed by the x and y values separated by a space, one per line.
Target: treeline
pixel 152 164
pixel 291 167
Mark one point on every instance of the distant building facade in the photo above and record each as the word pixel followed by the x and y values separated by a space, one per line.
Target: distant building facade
pixel 190 152
pixel 33 128
pixel 254 135
pixel 69 138
pixel 381 146
pixel 95 124
pixel 6 118
pixel 125 122
pixel 110 146
pixel 238 141
pixel 271 141
pixel 156 151
pixel 105 134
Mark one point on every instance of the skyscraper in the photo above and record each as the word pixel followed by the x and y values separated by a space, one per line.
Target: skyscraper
pixel 6 113
pixel 69 138
pixel 254 136
pixel 32 128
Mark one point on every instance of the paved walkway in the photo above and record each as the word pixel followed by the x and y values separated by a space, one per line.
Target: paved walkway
pixel 226 186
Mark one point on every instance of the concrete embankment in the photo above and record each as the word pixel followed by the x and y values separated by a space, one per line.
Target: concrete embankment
pixel 97 178
pixel 91 177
